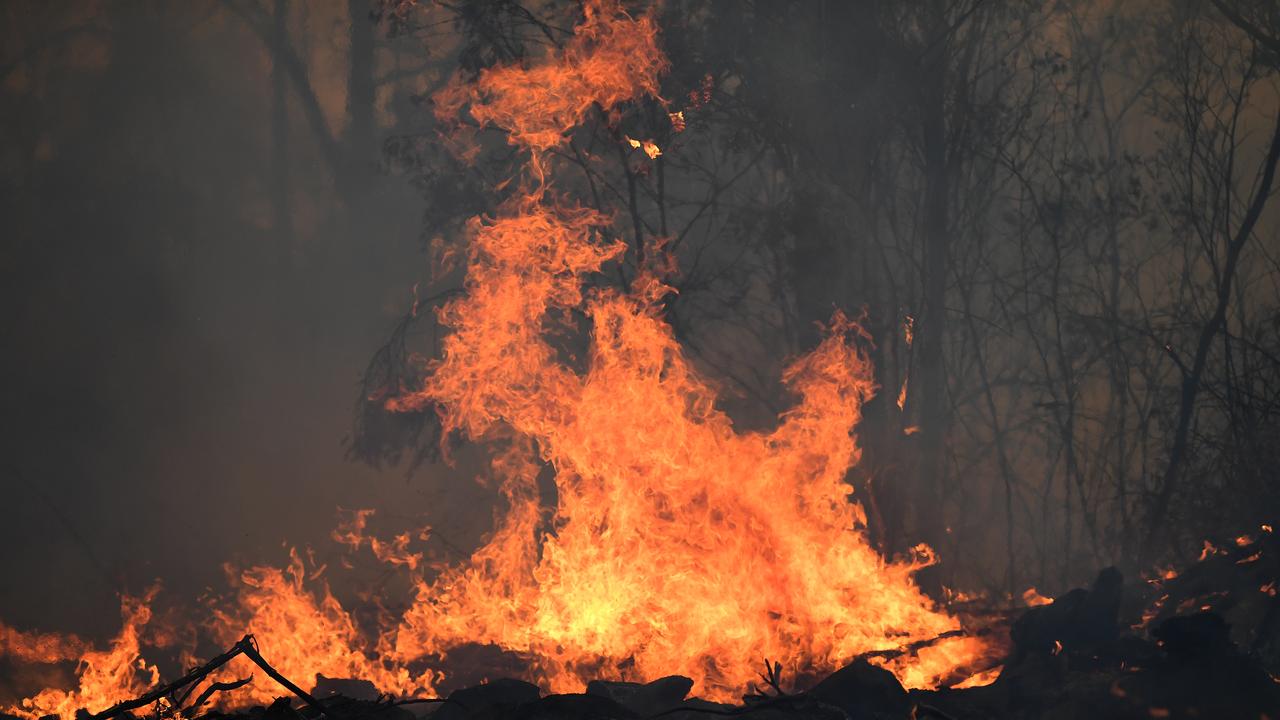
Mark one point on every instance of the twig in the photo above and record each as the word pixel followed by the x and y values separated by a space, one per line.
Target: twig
pixel 772 676
pixel 419 701
pixel 217 687
pixel 195 675
pixel 249 647
pixel 913 648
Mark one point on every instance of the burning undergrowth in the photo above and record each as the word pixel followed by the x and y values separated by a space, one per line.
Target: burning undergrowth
pixel 1195 643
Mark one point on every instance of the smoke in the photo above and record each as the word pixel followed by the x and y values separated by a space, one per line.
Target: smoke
pixel 179 370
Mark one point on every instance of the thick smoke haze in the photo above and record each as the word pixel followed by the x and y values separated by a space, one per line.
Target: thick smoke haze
pixel 180 362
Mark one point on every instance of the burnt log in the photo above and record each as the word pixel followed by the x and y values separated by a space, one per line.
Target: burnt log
pixel 1080 621
pixel 491 699
pixel 863 691
pixel 645 699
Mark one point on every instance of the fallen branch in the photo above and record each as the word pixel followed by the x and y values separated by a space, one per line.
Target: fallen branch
pixel 216 687
pixel 247 647
pixel 912 648
pixel 194 676
pixel 772 677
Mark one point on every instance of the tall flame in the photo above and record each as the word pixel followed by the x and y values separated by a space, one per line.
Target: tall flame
pixel 678 544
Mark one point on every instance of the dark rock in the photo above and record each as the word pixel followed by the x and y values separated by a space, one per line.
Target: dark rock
pixel 281 709
pixel 1097 623
pixel 644 699
pixel 618 691
pixel 1204 634
pixel 346 687
pixel 702 709
pixel 569 707
pixel 1079 621
pixel 491 699
pixel 474 664
pixel 863 690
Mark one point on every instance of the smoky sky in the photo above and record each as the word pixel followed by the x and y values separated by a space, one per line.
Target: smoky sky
pixel 178 372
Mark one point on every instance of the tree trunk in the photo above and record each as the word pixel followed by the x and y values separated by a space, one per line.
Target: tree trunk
pixel 931 378
pixel 1191 381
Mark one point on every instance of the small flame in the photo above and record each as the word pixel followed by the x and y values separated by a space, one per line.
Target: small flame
pixel 1031 598
pixel 303 633
pixel 105 676
pixel 1208 549
pixel 650 149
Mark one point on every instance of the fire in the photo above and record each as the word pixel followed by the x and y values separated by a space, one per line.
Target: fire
pixel 105 676
pixel 1208 551
pixel 982 679
pixel 611 58
pixel 302 633
pixel 648 146
pixel 32 647
pixel 679 544
pixel 1032 597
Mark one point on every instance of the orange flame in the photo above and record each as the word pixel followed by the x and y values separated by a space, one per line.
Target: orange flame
pixel 105 676
pixel 303 634
pixel 611 58
pixel 1032 597
pixel 648 146
pixel 982 679
pixel 679 544
pixel 35 647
